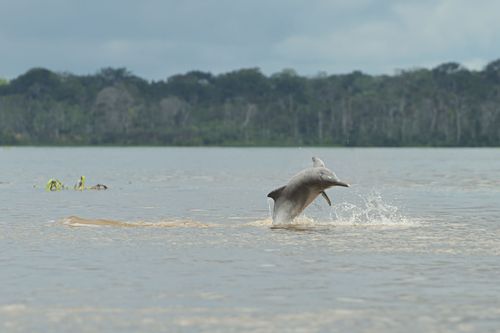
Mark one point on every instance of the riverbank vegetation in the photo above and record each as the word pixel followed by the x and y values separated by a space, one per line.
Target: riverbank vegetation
pixel 448 105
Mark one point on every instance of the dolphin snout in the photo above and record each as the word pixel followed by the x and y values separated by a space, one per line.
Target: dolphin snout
pixel 335 182
pixel 339 183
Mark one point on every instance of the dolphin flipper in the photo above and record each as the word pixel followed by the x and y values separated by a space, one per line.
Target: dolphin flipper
pixel 276 193
pixel 317 163
pixel 326 198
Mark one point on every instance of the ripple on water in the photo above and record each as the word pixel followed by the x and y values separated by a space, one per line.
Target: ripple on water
pixel 433 318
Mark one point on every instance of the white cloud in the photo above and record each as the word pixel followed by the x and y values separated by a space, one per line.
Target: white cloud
pixel 475 64
pixel 160 38
pixel 411 33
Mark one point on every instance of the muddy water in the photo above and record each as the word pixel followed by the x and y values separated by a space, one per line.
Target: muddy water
pixel 182 242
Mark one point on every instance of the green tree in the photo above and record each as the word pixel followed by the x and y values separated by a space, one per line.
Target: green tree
pixel 444 106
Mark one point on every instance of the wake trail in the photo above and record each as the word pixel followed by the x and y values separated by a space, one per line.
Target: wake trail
pixel 370 210
pixel 75 221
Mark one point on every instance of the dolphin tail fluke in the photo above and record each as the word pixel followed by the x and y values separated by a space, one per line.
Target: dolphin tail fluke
pixel 326 198
pixel 276 193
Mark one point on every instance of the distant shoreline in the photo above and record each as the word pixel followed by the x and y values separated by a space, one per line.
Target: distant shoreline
pixel 447 106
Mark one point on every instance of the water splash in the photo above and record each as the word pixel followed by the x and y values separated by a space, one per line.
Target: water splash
pixel 368 210
pixel 270 205
pixel 268 222
pixel 301 223
pixel 371 211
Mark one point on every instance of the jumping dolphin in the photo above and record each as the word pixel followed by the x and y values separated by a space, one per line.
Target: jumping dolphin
pixel 290 200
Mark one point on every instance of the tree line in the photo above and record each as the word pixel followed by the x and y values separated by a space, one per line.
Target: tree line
pixel 448 105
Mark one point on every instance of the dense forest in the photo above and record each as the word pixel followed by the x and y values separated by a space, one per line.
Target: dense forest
pixel 448 105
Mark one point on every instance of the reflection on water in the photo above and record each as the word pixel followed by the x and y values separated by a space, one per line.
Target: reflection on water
pixel 183 241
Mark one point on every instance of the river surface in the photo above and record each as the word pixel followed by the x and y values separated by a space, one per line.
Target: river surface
pixel 182 241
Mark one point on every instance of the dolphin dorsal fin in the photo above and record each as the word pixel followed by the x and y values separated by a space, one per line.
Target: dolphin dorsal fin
pixel 317 163
pixel 276 193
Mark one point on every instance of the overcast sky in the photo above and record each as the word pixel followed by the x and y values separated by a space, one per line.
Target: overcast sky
pixel 155 39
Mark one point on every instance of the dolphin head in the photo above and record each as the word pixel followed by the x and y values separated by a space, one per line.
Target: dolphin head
pixel 328 179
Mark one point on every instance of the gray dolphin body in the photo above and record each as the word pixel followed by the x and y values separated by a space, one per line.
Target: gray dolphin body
pixel 290 200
